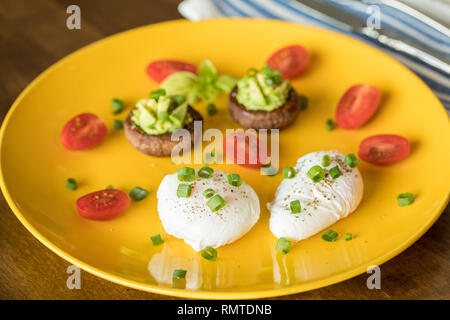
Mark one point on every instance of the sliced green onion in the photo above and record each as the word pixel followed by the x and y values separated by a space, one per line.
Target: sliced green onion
pixel 303 102
pixel 295 206
pixel 330 236
pixel 216 203
pixel 283 245
pixel 137 194
pixel 211 109
pixel 405 199
pixel 316 173
pixel 347 237
pixel 205 172
pixel 288 172
pixel 110 187
pixel 209 253
pixel 71 184
pixel 186 174
pixel 251 72
pixel 117 105
pixel 178 99
pixel 157 240
pixel 157 94
pixel 118 124
pixel 179 274
pixel 208 193
pixel 184 190
pixel 234 179
pixel 335 172
pixel 326 160
pixel 351 160
pixel 329 125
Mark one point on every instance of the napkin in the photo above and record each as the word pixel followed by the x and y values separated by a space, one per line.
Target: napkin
pixel 412 26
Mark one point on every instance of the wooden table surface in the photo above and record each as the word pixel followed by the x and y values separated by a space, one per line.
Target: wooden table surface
pixel 33 35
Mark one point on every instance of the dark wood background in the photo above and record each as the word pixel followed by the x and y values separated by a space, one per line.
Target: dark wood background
pixel 33 35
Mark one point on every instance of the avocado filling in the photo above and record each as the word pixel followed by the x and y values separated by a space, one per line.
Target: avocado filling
pixel 263 90
pixel 161 114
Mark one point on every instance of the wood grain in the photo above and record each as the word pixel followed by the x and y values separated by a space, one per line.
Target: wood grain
pixel 33 35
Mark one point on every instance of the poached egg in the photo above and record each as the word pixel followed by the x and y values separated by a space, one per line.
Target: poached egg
pixel 322 203
pixel 193 221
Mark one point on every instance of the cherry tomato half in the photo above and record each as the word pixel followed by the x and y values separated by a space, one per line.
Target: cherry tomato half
pixel 358 104
pixel 83 131
pixel 290 61
pixel 161 69
pixel 245 149
pixel 103 204
pixel 384 149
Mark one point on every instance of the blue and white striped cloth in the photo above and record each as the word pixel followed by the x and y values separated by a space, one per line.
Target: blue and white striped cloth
pixel 413 26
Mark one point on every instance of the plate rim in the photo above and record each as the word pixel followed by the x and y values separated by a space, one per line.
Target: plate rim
pixel 199 294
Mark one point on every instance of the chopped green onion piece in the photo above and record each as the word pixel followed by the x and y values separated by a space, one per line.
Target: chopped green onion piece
pixel 179 274
pixel 288 172
pixel 347 237
pixel 316 173
pixel 178 99
pixel 117 105
pixel 329 124
pixel 157 240
pixel 118 124
pixel 157 94
pixel 405 199
pixel 295 206
pixel 251 72
pixel 303 102
pixel 216 203
pixel 208 193
pixel 335 172
pixel 209 253
pixel 330 236
pixel 186 174
pixel 326 160
pixel 137 194
pixel 351 160
pixel 184 190
pixel 205 172
pixel 71 184
pixel 284 245
pixel 234 179
pixel 211 109
pixel 110 187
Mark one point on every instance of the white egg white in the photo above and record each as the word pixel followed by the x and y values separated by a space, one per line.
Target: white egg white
pixel 193 221
pixel 322 203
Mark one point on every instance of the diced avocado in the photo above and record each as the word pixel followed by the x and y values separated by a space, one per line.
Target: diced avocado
pixel 159 119
pixel 178 114
pixel 163 116
pixel 152 104
pixel 255 94
pixel 263 90
pixel 145 117
pixel 163 104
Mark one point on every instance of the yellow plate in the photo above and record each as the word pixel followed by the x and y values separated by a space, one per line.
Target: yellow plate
pixel 35 166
